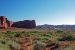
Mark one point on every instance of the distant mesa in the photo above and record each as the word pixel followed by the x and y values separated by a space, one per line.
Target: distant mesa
pixel 5 23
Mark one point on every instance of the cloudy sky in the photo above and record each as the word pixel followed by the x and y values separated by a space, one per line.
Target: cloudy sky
pixel 43 11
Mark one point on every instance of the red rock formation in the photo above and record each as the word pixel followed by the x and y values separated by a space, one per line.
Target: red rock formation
pixel 3 23
pixel 25 24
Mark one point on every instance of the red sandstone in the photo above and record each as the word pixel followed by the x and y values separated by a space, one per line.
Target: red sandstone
pixel 5 23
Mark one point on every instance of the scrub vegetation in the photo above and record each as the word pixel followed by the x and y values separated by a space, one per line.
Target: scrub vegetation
pixel 12 40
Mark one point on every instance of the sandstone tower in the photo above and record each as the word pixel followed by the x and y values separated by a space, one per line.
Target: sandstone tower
pixel 3 23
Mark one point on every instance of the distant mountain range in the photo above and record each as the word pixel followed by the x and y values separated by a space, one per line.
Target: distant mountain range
pixel 57 27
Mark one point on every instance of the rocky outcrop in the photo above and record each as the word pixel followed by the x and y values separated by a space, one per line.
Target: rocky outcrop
pixel 5 23
pixel 25 24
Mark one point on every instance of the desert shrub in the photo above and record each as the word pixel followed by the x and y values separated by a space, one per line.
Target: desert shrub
pixel 38 45
pixel 9 34
pixel 66 38
pixel 23 31
pixel 34 32
pixel 17 35
pixel 27 34
pixel 68 48
pixel 3 42
pixel 8 31
pixel 11 47
pixel 60 32
pixel 49 34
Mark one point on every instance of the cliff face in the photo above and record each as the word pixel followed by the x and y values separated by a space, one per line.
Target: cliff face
pixel 5 23
pixel 25 24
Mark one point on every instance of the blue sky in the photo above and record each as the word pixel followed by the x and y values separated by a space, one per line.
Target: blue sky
pixel 43 11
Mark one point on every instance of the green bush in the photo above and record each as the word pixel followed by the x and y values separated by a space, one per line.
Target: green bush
pixel 17 35
pixel 66 38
